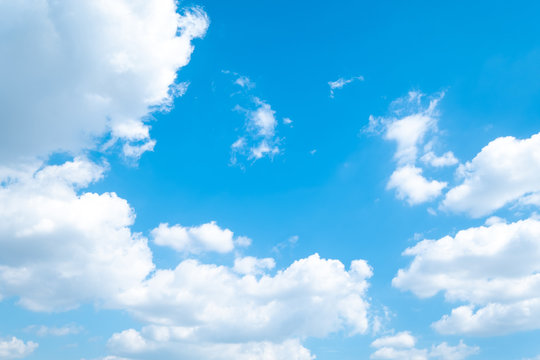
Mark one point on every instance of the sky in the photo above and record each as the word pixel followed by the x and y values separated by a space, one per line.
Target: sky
pixel 274 180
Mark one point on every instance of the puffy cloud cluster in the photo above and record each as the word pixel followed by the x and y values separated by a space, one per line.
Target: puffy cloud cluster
pixel 16 349
pixel 493 269
pixel 60 248
pixel 196 304
pixel 78 70
pixel 411 120
pixel 505 171
pixel 402 346
pixel 197 239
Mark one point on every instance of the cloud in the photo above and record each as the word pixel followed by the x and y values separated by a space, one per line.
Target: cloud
pixel 198 304
pixel 402 347
pixel 411 186
pixel 89 69
pixel 61 248
pixel 260 138
pixel 446 159
pixel 196 239
pixel 341 82
pixel 163 344
pixel 473 268
pixel 506 170
pixel 65 330
pixel 16 349
pixel 412 119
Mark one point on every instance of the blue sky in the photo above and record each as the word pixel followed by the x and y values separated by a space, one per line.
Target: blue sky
pixel 269 180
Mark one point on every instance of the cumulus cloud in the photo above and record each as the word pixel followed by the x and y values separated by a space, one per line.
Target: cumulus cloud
pixel 60 248
pixel 401 346
pixel 341 82
pixel 506 170
pixel 88 69
pixel 411 186
pixel 196 239
pixel 412 118
pixel 202 303
pixel 492 269
pixel 16 349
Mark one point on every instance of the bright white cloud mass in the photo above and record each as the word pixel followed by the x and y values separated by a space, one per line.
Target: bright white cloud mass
pixel 505 171
pixel 197 304
pixel 492 269
pixel 103 67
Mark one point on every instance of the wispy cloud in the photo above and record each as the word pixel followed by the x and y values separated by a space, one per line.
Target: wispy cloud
pixel 341 82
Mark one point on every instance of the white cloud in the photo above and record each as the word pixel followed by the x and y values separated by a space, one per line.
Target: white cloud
pixel 402 347
pixel 65 330
pixel 446 159
pixel 492 269
pixel 505 170
pixel 411 120
pixel 260 139
pixel 88 68
pixel 400 340
pixel 341 82
pixel 164 343
pixel 210 304
pixel 16 349
pixel 60 248
pixel 250 265
pixel 411 186
pixel 195 239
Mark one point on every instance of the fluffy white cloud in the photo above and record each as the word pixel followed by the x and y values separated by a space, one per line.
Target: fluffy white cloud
pixel 164 343
pixel 208 304
pixel 196 239
pixel 446 159
pixel 493 269
pixel 411 186
pixel 411 120
pixel 341 82
pixel 58 247
pixel 402 347
pixel 88 68
pixel 505 170
pixel 16 349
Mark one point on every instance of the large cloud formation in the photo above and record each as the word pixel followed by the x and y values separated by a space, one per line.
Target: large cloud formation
pixel 493 270
pixel 88 68
pixel 197 304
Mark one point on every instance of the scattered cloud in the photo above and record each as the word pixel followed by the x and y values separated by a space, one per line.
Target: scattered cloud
pixel 196 239
pixel 401 346
pixel 16 349
pixel 341 82
pixel 43 330
pixel 473 268
pixel 260 138
pixel 411 186
pixel 101 72
pixel 412 118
